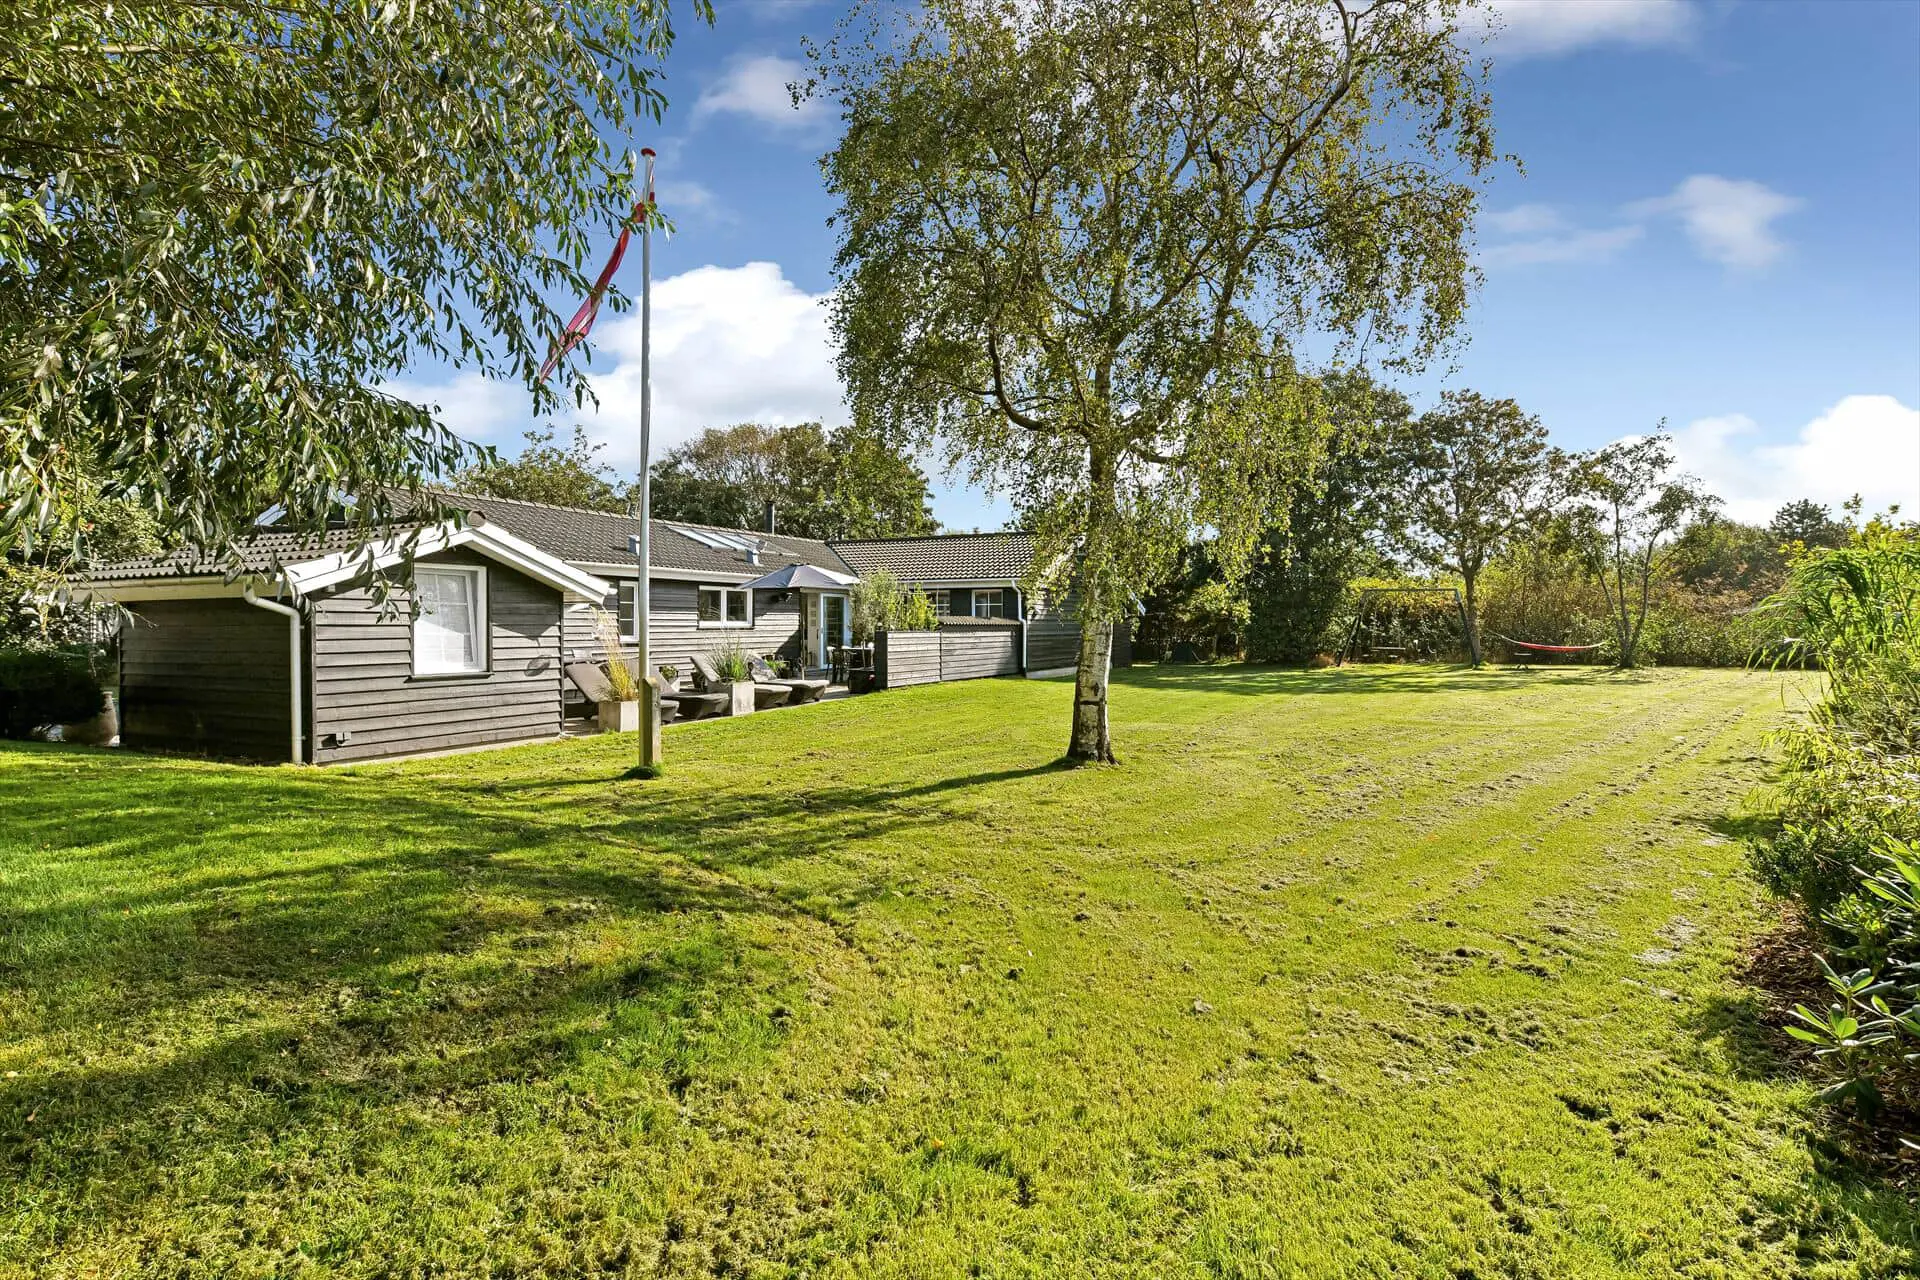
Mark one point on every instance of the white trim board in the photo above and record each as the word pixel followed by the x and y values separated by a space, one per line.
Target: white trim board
pixel 308 576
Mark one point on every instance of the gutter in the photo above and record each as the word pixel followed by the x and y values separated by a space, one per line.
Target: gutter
pixel 293 658
pixel 1021 597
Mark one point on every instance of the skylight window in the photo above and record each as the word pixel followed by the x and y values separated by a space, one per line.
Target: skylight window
pixel 721 539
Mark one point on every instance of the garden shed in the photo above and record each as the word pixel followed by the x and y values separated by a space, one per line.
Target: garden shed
pixel 296 657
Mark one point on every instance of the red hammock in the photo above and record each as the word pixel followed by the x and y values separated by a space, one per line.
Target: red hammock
pixel 1547 648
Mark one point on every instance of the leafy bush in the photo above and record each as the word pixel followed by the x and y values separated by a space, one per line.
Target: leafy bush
pixel 917 613
pixel 1842 800
pixel 880 603
pixel 1848 844
pixel 1691 629
pixel 41 687
pixel 1543 594
pixel 1208 621
pixel 876 601
pixel 1870 1033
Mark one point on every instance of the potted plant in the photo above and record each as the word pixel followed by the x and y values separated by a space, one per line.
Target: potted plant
pixel 622 714
pixel 736 679
pixel 669 678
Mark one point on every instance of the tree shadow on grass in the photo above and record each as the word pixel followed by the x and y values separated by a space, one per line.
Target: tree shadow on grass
pixel 267 950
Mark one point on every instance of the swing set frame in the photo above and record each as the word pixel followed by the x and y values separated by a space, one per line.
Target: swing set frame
pixel 1367 598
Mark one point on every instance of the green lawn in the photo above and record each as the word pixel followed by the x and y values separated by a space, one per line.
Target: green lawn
pixel 1422 973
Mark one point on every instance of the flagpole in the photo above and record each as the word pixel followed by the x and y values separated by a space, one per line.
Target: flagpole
pixel 649 689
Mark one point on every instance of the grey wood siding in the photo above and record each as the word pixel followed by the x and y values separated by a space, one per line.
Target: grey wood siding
pixel 903 658
pixel 677 635
pixel 208 676
pixel 972 652
pixel 1053 631
pixel 364 686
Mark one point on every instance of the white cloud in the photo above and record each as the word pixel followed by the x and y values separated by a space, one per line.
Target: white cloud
pixel 730 344
pixel 684 201
pixel 1545 28
pixel 756 87
pixel 1729 220
pixel 1865 444
pixel 484 411
pixel 1525 220
pixel 1566 246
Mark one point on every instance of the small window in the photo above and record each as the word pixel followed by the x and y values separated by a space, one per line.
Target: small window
pixel 450 611
pixel 725 607
pixel 990 603
pixel 627 609
pixel 942 601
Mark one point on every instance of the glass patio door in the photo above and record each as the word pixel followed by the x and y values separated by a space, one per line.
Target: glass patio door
pixel 833 626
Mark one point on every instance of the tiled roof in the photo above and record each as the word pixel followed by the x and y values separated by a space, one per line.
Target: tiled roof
pixel 580 536
pixel 262 553
pixel 952 557
pixel 584 537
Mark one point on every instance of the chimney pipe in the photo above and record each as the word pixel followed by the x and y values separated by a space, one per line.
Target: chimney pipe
pixel 773 516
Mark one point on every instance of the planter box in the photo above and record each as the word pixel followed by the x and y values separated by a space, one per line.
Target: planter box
pixel 620 717
pixel 741 694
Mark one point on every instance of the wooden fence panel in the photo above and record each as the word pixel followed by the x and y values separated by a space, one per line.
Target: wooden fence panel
pixel 954 652
pixel 903 658
pixel 970 653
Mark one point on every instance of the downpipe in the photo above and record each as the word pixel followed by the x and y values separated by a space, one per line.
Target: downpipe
pixel 294 664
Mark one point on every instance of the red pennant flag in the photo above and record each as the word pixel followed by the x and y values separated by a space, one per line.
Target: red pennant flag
pixel 582 323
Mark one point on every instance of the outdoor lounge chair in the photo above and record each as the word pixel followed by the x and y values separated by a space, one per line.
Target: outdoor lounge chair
pixel 590 678
pixel 764 695
pixel 799 689
pixel 692 706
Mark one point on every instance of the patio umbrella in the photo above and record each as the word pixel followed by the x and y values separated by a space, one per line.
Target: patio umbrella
pixel 797 576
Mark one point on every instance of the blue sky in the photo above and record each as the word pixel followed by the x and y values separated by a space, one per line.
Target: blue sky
pixel 1718 224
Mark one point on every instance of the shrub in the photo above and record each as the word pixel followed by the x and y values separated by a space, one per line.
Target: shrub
pixel 877 600
pixel 1848 844
pixel 1870 1032
pixel 41 687
pixel 1690 629
pixel 1544 595
pixel 1841 801
pixel 917 613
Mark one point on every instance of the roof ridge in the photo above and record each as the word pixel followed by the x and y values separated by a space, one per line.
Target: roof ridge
pixel 937 537
pixel 528 502
pixel 623 515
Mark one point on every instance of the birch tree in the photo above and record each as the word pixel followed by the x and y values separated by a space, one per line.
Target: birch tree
pixel 1637 506
pixel 1083 245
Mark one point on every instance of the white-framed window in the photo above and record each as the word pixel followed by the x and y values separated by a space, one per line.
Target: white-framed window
pixel 626 607
pixel 449 620
pixel 992 602
pixel 725 607
pixel 942 601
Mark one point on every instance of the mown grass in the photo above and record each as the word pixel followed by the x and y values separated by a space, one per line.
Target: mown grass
pixel 1422 973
